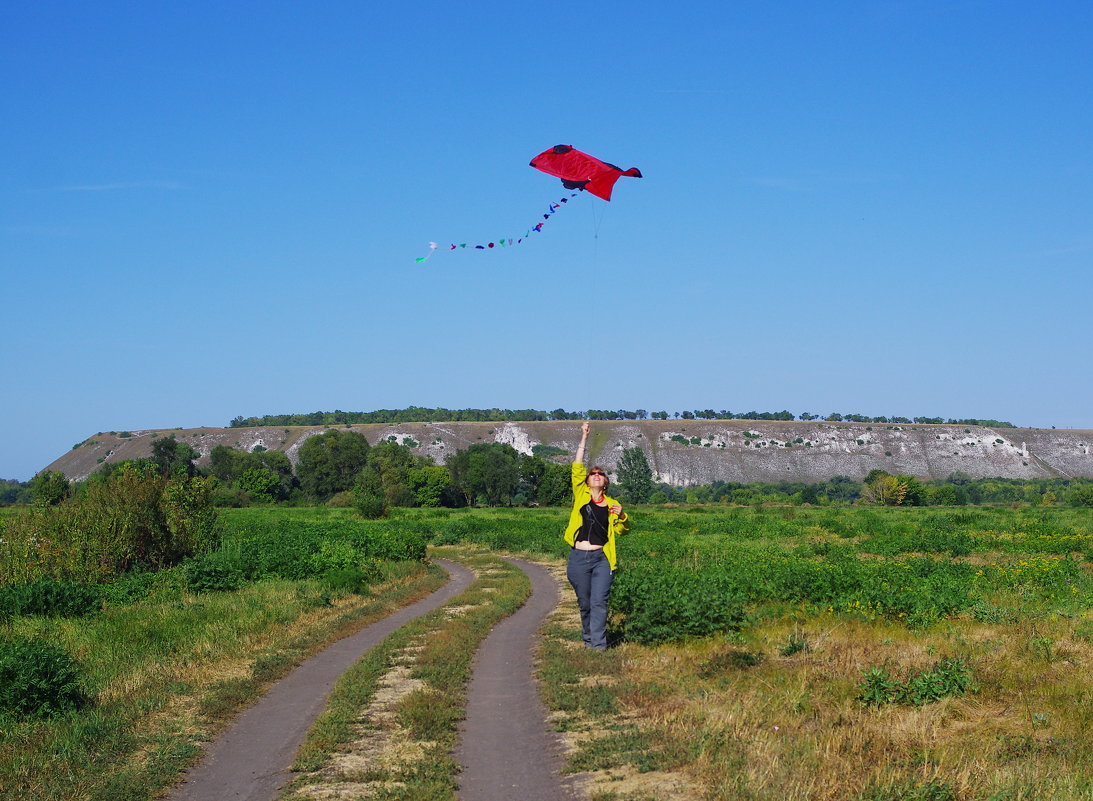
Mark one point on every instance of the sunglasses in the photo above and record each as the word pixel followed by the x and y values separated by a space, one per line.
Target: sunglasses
pixel 598 473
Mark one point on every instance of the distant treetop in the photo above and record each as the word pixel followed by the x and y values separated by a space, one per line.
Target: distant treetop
pixel 419 414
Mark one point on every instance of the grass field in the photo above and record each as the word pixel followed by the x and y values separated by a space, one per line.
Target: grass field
pixel 870 654
pixel 882 655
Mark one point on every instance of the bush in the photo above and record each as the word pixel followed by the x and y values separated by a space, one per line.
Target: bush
pixel 369 504
pixel 129 587
pixel 341 500
pixel 946 677
pixel 38 678
pixel 224 497
pixel 127 516
pixel 661 604
pixel 49 597
pixel 334 555
pixel 350 579
pixel 300 547
pixel 213 575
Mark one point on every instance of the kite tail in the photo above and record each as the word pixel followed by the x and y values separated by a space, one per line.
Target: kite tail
pixel 552 209
pixel 427 256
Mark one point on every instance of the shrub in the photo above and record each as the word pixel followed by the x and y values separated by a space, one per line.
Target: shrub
pixel 370 505
pixel 49 597
pixel 129 587
pixel 350 579
pixel 129 515
pixel 38 678
pixel 334 555
pixel 212 575
pixel 661 604
pixel 340 500
pixel 946 677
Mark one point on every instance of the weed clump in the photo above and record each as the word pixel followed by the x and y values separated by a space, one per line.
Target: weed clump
pixel 947 677
pixel 795 644
pixel 212 575
pixel 49 597
pixel 38 678
pixel 731 660
pixel 660 604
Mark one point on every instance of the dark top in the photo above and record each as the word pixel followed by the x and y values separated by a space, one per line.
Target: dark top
pixel 593 524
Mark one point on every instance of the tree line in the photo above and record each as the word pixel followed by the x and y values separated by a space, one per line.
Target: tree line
pixel 883 489
pixel 339 467
pixel 419 414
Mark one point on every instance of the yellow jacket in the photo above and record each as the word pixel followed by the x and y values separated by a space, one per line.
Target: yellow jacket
pixel 616 524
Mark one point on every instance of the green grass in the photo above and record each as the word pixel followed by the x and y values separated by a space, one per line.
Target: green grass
pixel 167 673
pixel 829 689
pixel 1007 591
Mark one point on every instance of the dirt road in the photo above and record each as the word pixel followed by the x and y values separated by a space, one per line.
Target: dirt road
pixel 507 750
pixel 250 761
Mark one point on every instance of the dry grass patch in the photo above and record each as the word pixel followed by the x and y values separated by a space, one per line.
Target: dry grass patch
pixel 774 713
pixel 380 745
pixel 576 682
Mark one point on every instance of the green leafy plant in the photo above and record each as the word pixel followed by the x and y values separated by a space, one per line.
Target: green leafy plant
pixel 878 687
pixel 38 678
pixel 947 677
pixel 664 604
pixel 795 644
pixel 212 575
pixel 49 597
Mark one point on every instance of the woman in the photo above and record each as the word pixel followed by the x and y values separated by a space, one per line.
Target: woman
pixel 594 523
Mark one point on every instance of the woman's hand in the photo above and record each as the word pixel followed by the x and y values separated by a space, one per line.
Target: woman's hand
pixel 585 428
pixel 615 509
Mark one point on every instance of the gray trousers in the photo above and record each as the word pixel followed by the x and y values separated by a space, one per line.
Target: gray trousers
pixel 590 574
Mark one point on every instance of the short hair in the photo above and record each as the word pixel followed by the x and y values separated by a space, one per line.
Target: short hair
pixel 606 478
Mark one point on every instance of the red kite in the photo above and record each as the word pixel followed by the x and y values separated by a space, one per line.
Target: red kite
pixel 581 171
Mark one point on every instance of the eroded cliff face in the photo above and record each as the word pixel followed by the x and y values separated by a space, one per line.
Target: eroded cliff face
pixel 681 452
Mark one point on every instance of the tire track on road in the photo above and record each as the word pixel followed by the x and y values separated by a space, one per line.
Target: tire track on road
pixel 251 759
pixel 507 750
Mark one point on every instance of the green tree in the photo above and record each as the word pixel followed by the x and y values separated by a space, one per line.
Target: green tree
pixel 368 495
pixel 228 464
pixel 329 462
pixel 49 488
pixel 532 470
pixel 635 476
pixel 173 458
pixel 493 473
pixel 915 494
pixel 943 495
pixel 554 486
pixel 429 484
pixel 393 463
pixel 12 491
pixel 261 484
pixel 1080 494
pixel 883 489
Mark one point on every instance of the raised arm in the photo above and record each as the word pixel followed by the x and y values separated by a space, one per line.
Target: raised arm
pixel 585 428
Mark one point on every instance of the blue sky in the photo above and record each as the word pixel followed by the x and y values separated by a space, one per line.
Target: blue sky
pixel 213 209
